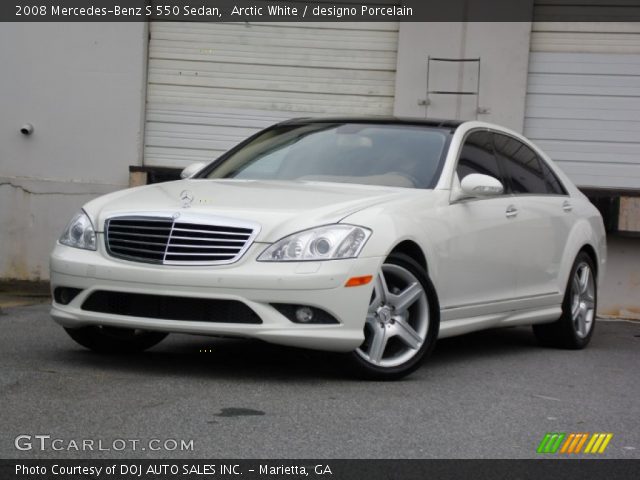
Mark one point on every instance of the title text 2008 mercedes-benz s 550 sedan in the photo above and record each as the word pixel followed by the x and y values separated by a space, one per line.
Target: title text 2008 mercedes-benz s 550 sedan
pixel 373 237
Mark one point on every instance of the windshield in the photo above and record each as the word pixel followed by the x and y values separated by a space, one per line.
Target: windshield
pixel 396 155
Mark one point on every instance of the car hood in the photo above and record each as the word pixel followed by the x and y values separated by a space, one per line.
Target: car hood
pixel 280 208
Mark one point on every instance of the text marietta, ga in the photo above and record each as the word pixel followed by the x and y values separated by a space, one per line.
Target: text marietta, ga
pixel 168 469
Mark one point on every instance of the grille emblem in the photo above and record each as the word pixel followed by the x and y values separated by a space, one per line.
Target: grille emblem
pixel 186 197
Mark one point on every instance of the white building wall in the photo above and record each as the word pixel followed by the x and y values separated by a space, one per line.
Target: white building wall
pixel 211 85
pixel 82 87
pixel 503 48
pixel 583 100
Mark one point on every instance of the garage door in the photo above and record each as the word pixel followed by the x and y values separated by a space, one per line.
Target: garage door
pixel 211 85
pixel 583 100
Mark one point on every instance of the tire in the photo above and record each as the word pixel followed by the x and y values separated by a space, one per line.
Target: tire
pixel 402 322
pixel 115 340
pixel 574 329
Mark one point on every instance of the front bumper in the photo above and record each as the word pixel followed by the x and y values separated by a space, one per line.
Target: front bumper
pixel 256 284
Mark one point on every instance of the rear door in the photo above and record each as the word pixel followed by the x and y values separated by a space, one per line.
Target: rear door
pixel 542 220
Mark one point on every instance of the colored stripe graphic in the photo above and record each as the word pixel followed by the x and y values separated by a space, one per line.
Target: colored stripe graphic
pixel 569 443
pixel 598 443
pixel 581 443
pixel 605 443
pixel 594 437
pixel 543 443
pixel 572 443
pixel 551 442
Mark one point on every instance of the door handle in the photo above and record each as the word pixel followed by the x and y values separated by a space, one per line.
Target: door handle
pixel 566 206
pixel 512 211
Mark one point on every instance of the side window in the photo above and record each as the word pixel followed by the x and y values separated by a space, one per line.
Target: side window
pixel 554 186
pixel 477 156
pixel 522 166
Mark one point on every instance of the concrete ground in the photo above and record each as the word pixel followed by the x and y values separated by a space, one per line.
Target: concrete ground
pixel 490 395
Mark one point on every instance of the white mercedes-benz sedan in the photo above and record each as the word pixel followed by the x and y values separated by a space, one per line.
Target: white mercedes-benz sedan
pixel 373 237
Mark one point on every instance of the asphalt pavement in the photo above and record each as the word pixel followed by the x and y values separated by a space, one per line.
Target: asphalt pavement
pixel 492 394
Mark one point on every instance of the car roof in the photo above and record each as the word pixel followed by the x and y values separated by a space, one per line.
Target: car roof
pixel 428 122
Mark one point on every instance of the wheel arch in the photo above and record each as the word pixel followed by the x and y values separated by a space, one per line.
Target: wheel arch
pixel 581 239
pixel 413 250
pixel 591 251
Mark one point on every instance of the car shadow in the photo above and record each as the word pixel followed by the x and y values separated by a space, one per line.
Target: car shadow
pixel 207 357
pixel 494 342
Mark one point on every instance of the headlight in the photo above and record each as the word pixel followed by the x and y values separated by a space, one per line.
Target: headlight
pixel 79 233
pixel 323 243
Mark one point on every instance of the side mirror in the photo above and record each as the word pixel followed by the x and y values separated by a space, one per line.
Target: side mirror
pixel 192 169
pixel 478 185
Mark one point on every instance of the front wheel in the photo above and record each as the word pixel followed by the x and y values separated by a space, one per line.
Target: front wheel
pixel 402 321
pixel 115 340
pixel 575 327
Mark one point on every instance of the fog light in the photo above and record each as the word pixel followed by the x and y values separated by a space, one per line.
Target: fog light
pixel 64 295
pixel 304 314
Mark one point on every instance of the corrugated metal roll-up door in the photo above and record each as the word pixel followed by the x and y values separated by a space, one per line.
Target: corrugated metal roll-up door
pixel 583 99
pixel 210 85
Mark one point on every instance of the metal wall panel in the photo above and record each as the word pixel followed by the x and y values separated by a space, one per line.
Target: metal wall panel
pixel 583 100
pixel 211 85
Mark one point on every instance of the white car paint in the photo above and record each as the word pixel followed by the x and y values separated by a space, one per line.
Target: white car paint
pixel 488 270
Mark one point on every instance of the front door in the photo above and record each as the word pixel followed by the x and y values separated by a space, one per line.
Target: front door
pixel 478 260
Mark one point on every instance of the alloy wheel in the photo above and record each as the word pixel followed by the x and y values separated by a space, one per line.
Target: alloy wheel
pixel 397 320
pixel 583 300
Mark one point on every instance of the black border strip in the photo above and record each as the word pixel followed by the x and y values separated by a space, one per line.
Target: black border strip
pixel 320 10
pixel 316 469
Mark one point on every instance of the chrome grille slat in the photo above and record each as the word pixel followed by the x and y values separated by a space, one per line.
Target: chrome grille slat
pixel 179 229
pixel 143 220
pixel 204 239
pixel 182 254
pixel 129 249
pixel 129 234
pixel 142 242
pixel 225 247
pixel 205 226
pixel 177 242
pixel 138 227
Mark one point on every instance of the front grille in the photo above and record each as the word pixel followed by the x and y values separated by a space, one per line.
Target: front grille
pixel 176 241
pixel 170 308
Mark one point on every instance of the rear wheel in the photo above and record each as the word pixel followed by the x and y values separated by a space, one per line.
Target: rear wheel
pixel 115 340
pixel 402 321
pixel 575 327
